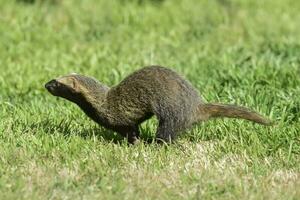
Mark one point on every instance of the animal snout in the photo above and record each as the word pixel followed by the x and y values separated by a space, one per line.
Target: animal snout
pixel 51 85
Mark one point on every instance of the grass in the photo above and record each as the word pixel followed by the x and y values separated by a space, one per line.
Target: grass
pixel 241 52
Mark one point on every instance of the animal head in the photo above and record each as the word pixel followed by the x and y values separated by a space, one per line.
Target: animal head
pixel 75 87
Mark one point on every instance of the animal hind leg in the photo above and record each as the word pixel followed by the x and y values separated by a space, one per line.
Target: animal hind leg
pixel 166 131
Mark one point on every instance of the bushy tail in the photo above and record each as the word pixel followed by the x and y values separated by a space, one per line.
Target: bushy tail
pixel 212 110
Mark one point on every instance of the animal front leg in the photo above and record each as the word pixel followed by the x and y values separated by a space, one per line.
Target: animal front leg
pixel 133 138
pixel 132 134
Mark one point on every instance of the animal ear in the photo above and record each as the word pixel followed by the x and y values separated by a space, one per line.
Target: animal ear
pixel 69 81
pixel 73 83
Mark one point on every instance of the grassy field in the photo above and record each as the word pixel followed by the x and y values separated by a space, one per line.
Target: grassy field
pixel 240 52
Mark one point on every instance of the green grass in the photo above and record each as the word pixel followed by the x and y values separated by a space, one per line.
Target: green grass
pixel 241 52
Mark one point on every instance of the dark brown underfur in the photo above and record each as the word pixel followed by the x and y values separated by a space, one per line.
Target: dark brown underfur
pixel 152 90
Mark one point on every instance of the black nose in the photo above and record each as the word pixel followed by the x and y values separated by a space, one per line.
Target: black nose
pixel 51 85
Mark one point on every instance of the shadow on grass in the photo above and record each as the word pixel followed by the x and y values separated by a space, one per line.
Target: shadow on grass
pixel 66 128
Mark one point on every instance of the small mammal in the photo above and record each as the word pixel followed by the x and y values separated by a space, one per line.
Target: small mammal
pixel 152 90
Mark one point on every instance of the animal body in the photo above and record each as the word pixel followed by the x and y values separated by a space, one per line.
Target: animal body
pixel 152 90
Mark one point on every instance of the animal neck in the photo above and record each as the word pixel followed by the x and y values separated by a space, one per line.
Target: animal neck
pixel 93 106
